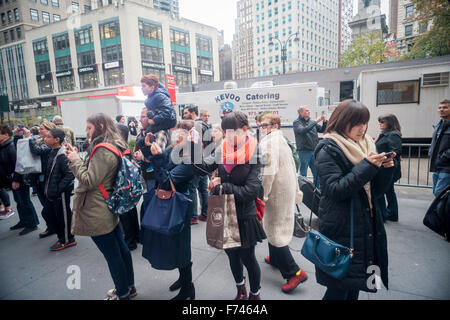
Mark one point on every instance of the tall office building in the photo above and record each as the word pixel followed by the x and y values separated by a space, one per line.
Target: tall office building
pixel 315 46
pixel 243 41
pixel 346 15
pixel 18 17
pixel 170 6
pixel 110 46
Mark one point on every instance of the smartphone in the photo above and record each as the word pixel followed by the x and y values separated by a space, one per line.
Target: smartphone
pixel 389 154
pixel 152 138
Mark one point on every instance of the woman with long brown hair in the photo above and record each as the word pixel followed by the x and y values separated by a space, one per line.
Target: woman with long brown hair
pixel 91 215
pixel 390 139
pixel 351 177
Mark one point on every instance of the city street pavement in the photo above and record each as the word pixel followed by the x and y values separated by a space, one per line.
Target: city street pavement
pixel 419 264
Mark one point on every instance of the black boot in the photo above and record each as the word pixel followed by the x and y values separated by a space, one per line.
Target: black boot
pixel 176 285
pixel 187 287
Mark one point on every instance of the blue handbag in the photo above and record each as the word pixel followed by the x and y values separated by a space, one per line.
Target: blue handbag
pixel 166 211
pixel 329 256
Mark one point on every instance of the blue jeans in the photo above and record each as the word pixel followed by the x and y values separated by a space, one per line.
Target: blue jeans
pixel 193 196
pixel 307 160
pixel 391 212
pixel 440 181
pixel 338 294
pixel 25 208
pixel 203 193
pixel 118 256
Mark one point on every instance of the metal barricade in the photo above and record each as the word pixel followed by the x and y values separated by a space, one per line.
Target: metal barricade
pixel 416 166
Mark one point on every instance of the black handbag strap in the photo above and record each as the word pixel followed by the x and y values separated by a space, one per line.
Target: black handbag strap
pixel 351 226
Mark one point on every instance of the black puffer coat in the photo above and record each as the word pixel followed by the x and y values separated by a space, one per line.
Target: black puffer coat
pixel 7 163
pixel 341 182
pixel 58 177
pixel 389 141
pixel 244 181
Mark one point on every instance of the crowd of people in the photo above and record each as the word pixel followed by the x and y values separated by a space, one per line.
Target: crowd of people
pixel 353 172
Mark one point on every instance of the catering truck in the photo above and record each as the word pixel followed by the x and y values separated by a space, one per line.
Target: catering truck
pixel 283 100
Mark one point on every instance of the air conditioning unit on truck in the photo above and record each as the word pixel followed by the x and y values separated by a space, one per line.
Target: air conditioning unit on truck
pixel 283 100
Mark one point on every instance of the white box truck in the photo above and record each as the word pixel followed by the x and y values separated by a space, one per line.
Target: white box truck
pixel 283 100
pixel 76 110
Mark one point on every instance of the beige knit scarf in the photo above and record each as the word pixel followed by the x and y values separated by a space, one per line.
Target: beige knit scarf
pixel 355 152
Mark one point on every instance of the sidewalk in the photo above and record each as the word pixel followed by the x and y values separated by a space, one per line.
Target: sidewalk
pixel 419 264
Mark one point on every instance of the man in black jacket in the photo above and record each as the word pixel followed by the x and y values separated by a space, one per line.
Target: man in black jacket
pixel 440 149
pixel 28 219
pixel 306 138
pixel 59 184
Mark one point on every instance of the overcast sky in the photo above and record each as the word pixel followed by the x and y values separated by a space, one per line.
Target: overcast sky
pixel 222 13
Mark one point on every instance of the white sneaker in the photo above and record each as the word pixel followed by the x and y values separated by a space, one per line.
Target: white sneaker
pixel 6 214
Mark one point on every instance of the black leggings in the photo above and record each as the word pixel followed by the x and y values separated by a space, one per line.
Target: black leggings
pixel 245 257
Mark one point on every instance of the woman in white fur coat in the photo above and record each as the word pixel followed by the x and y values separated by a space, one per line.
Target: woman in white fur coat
pixel 281 193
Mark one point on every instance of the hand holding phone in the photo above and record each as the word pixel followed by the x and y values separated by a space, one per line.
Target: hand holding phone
pixel 389 154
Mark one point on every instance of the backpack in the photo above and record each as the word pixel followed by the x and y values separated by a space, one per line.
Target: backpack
pixel 128 187
pixel 294 154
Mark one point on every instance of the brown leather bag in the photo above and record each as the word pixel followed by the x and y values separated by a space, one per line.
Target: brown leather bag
pixel 222 229
pixel 165 194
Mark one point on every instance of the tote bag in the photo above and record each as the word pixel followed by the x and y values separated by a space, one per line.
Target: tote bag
pixel 166 211
pixel 26 161
pixel 222 229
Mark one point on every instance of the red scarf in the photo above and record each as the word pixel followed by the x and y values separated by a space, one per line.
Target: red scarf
pixel 232 157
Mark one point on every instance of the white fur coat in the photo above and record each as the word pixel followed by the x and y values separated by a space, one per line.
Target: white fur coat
pixel 281 191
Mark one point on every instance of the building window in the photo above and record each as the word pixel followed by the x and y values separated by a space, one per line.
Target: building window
pixel 87 9
pixel 11 32
pixel 42 67
pixel 152 53
pixel 34 15
pixel 45 2
pixel 408 30
pixel 109 30
pixel 181 58
pixel 66 83
pixel 3 18
pixel 182 79
pixel 40 47
pixel 86 58
pixel 75 7
pixel 19 33
pixel 63 63
pixel 61 42
pixel 179 38
pixel 112 53
pixel 88 80
pixel 114 76
pixel 150 31
pixel 6 36
pixel 16 14
pixel 45 86
pixel 204 44
pixel 55 3
pixel 409 10
pixel 10 16
pixel 83 37
pixel 56 17
pixel 45 17
pixel 398 92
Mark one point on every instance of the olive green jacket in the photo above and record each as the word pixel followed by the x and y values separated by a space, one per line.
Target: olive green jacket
pixel 91 216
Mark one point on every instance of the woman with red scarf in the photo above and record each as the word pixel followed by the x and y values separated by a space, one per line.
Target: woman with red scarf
pixel 240 173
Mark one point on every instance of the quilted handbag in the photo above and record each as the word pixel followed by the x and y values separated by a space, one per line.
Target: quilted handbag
pixel 329 256
pixel 166 211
